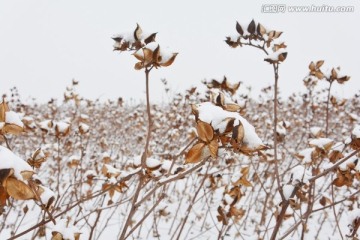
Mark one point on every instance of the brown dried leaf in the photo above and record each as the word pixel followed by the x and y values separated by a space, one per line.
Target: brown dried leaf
pixel 312 66
pixel 222 217
pixel 56 236
pixel 139 66
pixel 333 74
pixel 271 35
pixel 195 154
pixel 239 29
pixel 282 56
pixel 238 133
pixel 156 55
pixel 339 181
pixel 27 174
pixel 232 107
pixel 170 61
pixel 3 196
pixel 277 35
pixel 319 74
pixel 148 56
pixel 237 213
pixel 213 148
pixel 139 55
pixel 150 38
pixel 319 63
pixel 12 128
pixel 137 32
pixel 252 27
pixel 205 131
pixel 4 174
pixel 18 189
pixel 3 108
pixel 261 29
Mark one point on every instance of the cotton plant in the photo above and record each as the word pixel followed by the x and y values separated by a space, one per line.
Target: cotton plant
pixel 317 73
pixel 17 177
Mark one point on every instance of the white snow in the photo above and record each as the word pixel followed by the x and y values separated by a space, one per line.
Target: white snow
pixel 321 142
pixel 46 125
pixel 152 162
pixel 9 160
pixel 66 229
pixel 287 190
pixel 62 127
pixel 339 146
pixel 46 195
pixel 29 121
pixel 356 132
pixel 275 55
pixel 300 175
pixel 111 170
pixel 13 118
pixel 228 199
pixel 215 116
pixel 73 157
pixel 353 215
pixel 84 127
pixel 315 131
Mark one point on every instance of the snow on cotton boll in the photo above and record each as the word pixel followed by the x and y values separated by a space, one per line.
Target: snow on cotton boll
pixel 10 121
pixel 151 55
pixel 218 126
pixel 355 138
pixel 64 229
pixel 132 40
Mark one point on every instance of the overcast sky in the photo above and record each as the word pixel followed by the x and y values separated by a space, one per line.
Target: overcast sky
pixel 45 44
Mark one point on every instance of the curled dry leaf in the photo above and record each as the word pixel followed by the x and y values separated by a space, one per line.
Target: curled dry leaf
pixel 213 147
pixel 18 189
pixel 197 153
pixel 238 133
pixel 27 174
pixel 56 236
pixel 205 131
pixel 137 33
pixel 222 217
pixel 261 29
pixel 319 63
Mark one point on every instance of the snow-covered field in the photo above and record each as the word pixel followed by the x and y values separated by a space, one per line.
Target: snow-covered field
pixel 212 164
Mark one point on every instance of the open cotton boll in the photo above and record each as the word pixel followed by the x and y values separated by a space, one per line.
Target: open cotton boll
pixel 13 118
pixel 46 195
pixel 322 143
pixel 275 55
pixel 9 160
pixel 215 116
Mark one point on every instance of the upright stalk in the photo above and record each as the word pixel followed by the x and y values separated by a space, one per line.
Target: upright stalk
pixel 144 155
pixel 327 111
pixel 284 201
